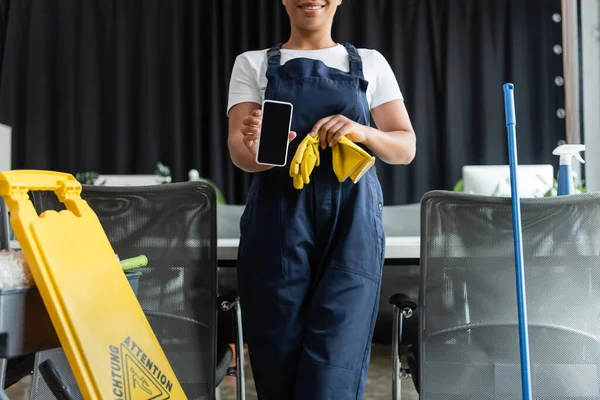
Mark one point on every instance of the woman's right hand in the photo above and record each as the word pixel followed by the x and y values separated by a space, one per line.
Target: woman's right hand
pixel 244 131
pixel 251 130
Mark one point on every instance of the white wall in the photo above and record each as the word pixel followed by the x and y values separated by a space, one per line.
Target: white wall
pixel 5 148
pixel 590 70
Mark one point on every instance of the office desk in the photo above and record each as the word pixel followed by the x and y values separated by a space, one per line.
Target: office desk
pixel 396 248
pixel 400 223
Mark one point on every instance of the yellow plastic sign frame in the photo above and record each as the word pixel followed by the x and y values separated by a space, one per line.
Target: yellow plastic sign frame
pixel 102 328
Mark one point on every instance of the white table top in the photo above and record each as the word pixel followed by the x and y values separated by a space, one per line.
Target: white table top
pixel 397 247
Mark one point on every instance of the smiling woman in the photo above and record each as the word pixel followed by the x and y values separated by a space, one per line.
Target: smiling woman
pixel 310 260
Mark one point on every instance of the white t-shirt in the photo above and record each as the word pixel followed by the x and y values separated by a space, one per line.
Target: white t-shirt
pixel 249 80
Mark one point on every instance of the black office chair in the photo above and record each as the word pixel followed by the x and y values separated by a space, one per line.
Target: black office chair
pixel 467 313
pixel 174 225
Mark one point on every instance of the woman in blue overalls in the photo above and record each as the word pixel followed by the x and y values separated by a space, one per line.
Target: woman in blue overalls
pixel 310 260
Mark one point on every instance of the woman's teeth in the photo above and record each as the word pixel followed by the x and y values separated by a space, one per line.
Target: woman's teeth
pixel 311 7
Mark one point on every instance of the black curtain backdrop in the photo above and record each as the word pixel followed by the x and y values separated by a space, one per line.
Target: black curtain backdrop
pixel 116 85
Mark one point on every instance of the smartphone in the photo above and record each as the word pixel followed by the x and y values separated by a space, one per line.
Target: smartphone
pixel 273 141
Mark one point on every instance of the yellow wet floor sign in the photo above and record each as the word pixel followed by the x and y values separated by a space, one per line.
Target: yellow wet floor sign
pixel 107 339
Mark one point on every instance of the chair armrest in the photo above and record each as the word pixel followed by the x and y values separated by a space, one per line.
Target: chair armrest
pixel 228 301
pixel 402 301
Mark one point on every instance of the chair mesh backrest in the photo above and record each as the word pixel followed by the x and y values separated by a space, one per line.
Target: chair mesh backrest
pixel 468 324
pixel 174 225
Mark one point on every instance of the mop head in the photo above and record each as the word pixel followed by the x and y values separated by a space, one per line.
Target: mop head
pixel 14 271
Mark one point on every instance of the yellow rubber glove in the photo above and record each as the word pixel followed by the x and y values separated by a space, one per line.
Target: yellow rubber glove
pixel 350 160
pixel 304 161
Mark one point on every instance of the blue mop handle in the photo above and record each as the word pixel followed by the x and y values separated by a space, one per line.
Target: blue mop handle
pixel 509 105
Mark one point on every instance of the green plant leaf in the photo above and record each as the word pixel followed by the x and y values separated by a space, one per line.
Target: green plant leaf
pixel 162 170
pixel 459 186
pixel 220 197
pixel 87 178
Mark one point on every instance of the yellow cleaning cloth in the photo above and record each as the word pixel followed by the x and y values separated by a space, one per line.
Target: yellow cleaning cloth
pixel 349 160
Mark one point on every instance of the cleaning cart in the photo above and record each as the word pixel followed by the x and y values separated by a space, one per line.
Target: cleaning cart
pixel 96 318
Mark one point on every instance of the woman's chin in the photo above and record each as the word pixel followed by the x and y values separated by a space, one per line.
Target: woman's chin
pixel 311 24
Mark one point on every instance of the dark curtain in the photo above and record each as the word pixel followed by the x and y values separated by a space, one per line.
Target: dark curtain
pixel 115 86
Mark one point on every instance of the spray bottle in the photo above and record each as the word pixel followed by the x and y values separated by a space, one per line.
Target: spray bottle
pixel 565 174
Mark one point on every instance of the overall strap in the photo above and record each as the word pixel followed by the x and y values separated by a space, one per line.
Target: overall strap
pixel 273 58
pixel 356 67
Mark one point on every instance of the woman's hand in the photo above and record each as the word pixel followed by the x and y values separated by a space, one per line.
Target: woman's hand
pixel 393 141
pixel 333 128
pixel 251 131
pixel 242 150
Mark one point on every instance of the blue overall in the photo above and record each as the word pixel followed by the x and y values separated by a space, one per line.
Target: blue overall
pixel 310 260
